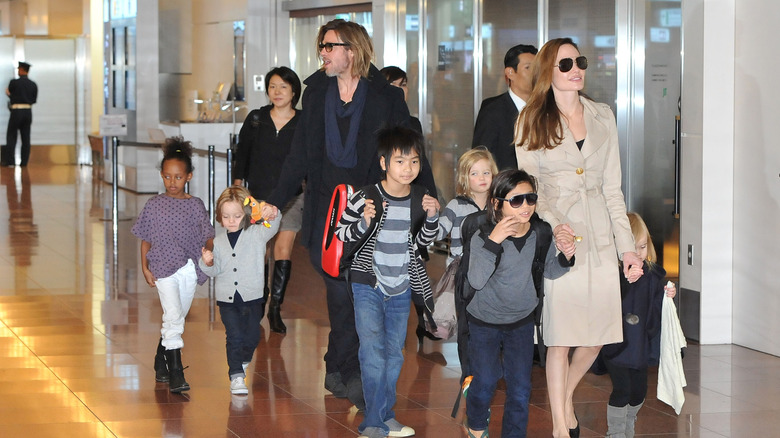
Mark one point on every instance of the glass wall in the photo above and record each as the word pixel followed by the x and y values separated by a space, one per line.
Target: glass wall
pixel 450 92
pixel 445 86
pixel 591 24
pixel 502 28
pixel 412 26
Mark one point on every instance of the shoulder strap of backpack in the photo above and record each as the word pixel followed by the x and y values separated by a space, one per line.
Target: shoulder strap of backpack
pixel 543 242
pixel 417 213
pixel 370 192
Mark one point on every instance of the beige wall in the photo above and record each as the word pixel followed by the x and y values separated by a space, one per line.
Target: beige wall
pixel 66 17
pixel 42 17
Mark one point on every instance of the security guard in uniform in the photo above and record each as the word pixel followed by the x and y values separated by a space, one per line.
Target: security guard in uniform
pixel 23 93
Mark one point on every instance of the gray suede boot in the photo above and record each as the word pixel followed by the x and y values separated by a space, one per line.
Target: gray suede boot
pixel 616 421
pixel 631 412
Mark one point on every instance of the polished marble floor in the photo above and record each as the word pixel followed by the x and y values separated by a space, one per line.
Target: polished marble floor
pixel 78 329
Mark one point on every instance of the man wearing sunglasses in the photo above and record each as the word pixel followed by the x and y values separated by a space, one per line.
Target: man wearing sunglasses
pixel 345 104
pixel 495 127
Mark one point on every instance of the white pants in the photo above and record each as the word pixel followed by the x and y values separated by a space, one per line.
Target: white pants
pixel 176 293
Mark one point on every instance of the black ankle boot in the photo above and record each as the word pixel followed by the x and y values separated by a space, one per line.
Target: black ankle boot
pixel 278 287
pixel 176 371
pixel 160 366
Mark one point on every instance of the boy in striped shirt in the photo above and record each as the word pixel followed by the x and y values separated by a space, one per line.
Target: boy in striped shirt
pixel 387 222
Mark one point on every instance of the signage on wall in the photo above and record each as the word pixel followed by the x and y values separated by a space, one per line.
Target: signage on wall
pixel 113 125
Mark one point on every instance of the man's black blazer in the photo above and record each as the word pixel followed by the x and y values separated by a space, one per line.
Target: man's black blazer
pixel 495 129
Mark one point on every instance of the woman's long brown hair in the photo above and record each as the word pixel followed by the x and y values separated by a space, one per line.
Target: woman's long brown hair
pixel 539 125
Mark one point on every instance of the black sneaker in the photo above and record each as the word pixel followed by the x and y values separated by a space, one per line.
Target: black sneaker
pixel 355 392
pixel 334 384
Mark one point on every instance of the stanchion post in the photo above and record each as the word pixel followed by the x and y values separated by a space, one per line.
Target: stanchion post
pixel 212 184
pixel 212 214
pixel 229 166
pixel 114 181
pixel 115 209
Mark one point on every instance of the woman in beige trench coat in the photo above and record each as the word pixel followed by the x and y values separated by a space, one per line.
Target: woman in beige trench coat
pixel 570 144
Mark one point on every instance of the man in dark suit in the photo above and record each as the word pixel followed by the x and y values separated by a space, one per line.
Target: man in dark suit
pixel 495 127
pixel 23 93
pixel 345 103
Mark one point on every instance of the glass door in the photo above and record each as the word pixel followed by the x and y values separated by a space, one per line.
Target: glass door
pixel 450 87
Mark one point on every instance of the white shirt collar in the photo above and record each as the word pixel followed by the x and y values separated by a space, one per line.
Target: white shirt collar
pixel 519 103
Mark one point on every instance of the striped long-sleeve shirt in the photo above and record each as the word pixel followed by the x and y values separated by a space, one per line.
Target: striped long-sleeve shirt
pixel 450 221
pixel 365 266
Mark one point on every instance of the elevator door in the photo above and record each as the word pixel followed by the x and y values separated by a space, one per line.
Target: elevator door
pixel 54 71
pixel 653 107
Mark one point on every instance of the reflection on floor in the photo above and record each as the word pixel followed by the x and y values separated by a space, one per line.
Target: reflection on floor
pixel 79 330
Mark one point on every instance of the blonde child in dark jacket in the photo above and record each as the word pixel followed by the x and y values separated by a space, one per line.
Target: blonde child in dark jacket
pixel 627 361
pixel 237 261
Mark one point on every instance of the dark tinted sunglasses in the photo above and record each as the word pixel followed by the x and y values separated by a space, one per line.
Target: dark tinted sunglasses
pixel 566 64
pixel 329 46
pixel 517 200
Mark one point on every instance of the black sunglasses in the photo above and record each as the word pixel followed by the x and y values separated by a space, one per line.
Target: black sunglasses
pixel 517 200
pixel 329 46
pixel 566 64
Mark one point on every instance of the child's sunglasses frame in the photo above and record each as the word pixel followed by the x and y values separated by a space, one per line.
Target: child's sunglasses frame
pixel 518 200
pixel 566 64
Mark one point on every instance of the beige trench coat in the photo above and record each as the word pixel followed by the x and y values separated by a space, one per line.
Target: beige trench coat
pixel 583 189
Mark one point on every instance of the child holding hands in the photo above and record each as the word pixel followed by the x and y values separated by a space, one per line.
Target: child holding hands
pixel 238 263
pixel 388 221
pixel 627 361
pixel 500 316
pixel 173 226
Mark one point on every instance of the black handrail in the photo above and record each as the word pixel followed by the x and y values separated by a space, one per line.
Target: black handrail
pixel 677 156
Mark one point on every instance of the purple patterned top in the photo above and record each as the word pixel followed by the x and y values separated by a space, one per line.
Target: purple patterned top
pixel 177 230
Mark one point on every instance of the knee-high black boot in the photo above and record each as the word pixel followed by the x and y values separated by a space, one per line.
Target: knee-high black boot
pixel 278 286
pixel 265 291
pixel 160 366
pixel 176 371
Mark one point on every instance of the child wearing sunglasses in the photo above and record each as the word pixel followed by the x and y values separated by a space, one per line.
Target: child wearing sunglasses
pixel 501 313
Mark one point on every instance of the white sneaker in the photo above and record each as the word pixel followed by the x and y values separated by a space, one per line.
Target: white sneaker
pixel 397 429
pixel 238 386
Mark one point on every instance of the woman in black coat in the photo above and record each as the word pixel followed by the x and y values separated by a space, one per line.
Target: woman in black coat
pixel 263 144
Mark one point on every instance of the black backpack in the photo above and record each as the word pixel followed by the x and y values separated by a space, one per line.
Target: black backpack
pixel 464 292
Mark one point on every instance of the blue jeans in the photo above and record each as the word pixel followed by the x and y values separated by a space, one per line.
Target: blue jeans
pixel 488 364
pixel 242 333
pixel 381 326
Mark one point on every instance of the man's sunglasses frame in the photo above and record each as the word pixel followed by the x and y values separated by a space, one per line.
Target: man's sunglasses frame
pixel 329 46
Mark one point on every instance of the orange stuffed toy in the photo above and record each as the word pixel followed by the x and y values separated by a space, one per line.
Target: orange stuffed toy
pixel 257 211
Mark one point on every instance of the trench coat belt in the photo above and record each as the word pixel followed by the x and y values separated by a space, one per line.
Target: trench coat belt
pixel 21 106
pixel 583 194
